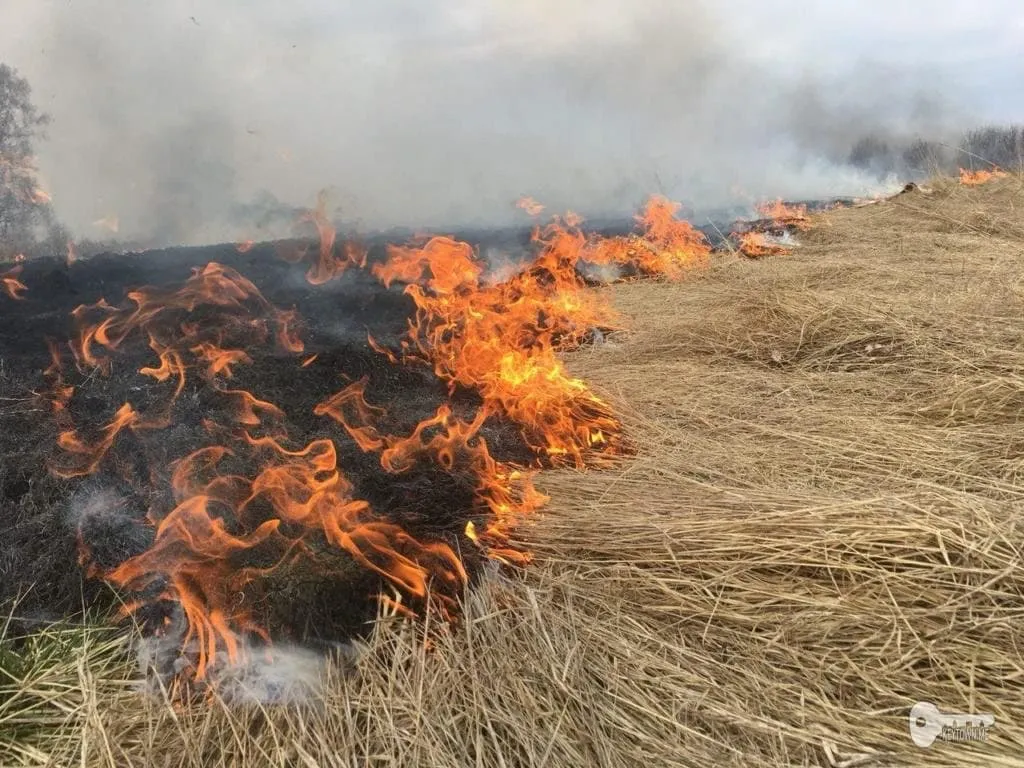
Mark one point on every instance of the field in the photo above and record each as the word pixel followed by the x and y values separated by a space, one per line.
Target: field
pixel 822 527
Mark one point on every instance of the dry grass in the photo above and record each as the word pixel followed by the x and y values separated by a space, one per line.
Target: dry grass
pixel 823 526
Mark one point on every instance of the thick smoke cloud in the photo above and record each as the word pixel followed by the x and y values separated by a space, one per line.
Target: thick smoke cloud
pixel 182 118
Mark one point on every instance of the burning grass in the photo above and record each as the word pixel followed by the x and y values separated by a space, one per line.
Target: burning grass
pixel 214 497
pixel 974 178
pixel 818 529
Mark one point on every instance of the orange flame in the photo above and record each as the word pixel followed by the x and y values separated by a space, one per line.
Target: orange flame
pixel 10 283
pixel 219 360
pixel 783 215
pixel 668 247
pixel 755 245
pixel 192 555
pixel 91 454
pixel 330 264
pixel 531 206
pixel 974 178
pixel 57 393
pixel 507 492
pixel 213 285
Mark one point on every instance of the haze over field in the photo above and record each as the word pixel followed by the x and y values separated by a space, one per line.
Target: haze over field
pixel 436 114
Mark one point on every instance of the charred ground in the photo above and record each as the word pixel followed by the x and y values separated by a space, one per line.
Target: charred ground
pixel 42 515
pixel 324 595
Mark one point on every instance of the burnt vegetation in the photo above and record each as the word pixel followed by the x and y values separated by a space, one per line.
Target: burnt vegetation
pixel 43 516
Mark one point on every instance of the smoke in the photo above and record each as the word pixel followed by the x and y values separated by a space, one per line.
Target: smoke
pixel 194 122
pixel 108 524
pixel 266 674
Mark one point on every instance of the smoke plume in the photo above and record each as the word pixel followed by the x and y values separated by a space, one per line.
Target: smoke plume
pixel 192 121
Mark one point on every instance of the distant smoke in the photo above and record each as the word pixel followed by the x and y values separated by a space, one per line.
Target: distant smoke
pixel 190 120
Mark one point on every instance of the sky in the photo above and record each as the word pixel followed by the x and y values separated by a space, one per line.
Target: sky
pixel 425 113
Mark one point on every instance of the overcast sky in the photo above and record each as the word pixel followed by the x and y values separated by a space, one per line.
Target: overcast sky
pixel 436 112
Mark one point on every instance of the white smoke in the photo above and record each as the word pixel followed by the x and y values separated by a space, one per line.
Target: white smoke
pixel 259 674
pixel 169 115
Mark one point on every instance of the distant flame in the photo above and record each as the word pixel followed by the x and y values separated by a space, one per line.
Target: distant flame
pixel 974 178
pixel 531 206
pixel 783 215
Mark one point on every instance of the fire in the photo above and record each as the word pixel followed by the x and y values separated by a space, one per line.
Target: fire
pixel 794 216
pixel 191 558
pixel 755 245
pixel 668 246
pixel 57 394
pixel 213 285
pixel 255 500
pixel 502 339
pixel 531 206
pixel 245 246
pixel 505 490
pixel 10 283
pixel 974 178
pixel 71 253
pixel 330 265
pixel 90 454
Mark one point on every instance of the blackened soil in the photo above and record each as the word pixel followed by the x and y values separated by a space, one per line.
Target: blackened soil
pixel 322 597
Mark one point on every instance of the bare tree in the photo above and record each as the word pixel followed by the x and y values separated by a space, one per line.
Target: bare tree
pixel 26 217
